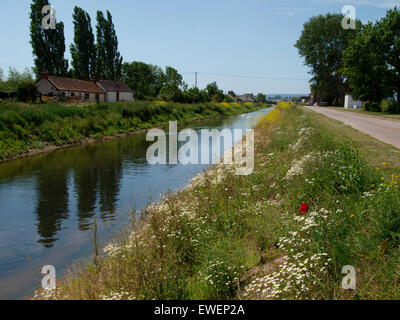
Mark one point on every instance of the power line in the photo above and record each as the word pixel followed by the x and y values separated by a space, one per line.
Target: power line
pixel 245 76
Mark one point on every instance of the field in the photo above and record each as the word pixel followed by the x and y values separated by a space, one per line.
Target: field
pixel 25 127
pixel 316 202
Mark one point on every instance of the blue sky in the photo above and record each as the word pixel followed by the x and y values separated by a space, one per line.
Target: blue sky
pixel 213 37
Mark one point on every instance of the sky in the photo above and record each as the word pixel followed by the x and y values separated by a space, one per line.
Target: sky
pixel 243 45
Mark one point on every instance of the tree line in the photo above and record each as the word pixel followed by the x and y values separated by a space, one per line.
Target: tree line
pixel 96 54
pixel 364 61
pixel 89 57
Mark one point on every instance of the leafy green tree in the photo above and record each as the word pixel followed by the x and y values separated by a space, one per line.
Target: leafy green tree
pixel 109 60
pixel 170 92
pixel 48 46
pixel 145 79
pixel 194 95
pixel 372 61
pixel 214 93
pixel 365 67
pixel 83 50
pixel 261 98
pixel 14 79
pixel 388 49
pixel 173 82
pixel 321 44
pixel 173 78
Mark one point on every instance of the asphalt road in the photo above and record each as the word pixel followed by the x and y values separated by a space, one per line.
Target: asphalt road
pixel 386 130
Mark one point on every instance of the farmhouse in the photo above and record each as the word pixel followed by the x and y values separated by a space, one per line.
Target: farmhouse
pixel 246 98
pixel 242 98
pixel 115 90
pixel 85 90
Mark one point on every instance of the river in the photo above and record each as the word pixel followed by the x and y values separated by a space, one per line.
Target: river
pixel 48 202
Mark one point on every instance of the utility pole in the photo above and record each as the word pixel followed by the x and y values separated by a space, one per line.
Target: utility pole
pixel 195 79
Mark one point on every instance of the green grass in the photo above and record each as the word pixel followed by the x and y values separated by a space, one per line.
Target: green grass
pixel 250 241
pixel 375 152
pixel 25 127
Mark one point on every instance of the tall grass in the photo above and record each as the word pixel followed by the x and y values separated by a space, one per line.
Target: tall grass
pixel 24 127
pixel 250 240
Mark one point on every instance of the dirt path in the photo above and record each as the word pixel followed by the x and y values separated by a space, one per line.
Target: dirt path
pixel 385 130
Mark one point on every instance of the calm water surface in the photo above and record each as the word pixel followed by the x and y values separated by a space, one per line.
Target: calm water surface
pixel 48 202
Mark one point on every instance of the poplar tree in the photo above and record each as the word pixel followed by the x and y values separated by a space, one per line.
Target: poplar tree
pixel 83 50
pixel 48 46
pixel 109 60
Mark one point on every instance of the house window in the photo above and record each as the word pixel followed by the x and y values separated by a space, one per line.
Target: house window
pixel 117 95
pixel 97 97
pixel 87 96
pixel 72 94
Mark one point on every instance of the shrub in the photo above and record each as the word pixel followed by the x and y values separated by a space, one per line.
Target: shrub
pixel 170 93
pixel 393 107
pixel 228 99
pixel 27 91
pixel 372 106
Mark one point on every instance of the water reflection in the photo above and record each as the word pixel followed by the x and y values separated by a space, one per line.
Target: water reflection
pixel 48 201
pixel 52 203
pixel 86 181
pixel 96 178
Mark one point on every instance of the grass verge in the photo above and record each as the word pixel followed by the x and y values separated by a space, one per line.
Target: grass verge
pixel 251 241
pixel 24 128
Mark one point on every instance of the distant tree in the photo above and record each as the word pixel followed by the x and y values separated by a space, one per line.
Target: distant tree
pixel 83 50
pixel 109 60
pixel 172 77
pixel 158 79
pixel 194 95
pixel 214 93
pixel 145 79
pixel 170 92
pixel 261 98
pixel 321 44
pixel 48 46
pixel 15 78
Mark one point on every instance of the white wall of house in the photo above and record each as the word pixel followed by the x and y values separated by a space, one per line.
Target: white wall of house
pixel 46 87
pixel 111 96
pixel 350 103
pixel 125 96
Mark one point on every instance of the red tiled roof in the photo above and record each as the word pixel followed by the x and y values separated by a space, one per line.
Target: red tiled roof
pixel 67 84
pixel 115 85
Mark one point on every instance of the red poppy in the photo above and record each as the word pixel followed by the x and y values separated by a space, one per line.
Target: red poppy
pixel 304 208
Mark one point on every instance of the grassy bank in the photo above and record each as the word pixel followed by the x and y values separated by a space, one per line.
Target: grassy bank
pixel 251 241
pixel 27 127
